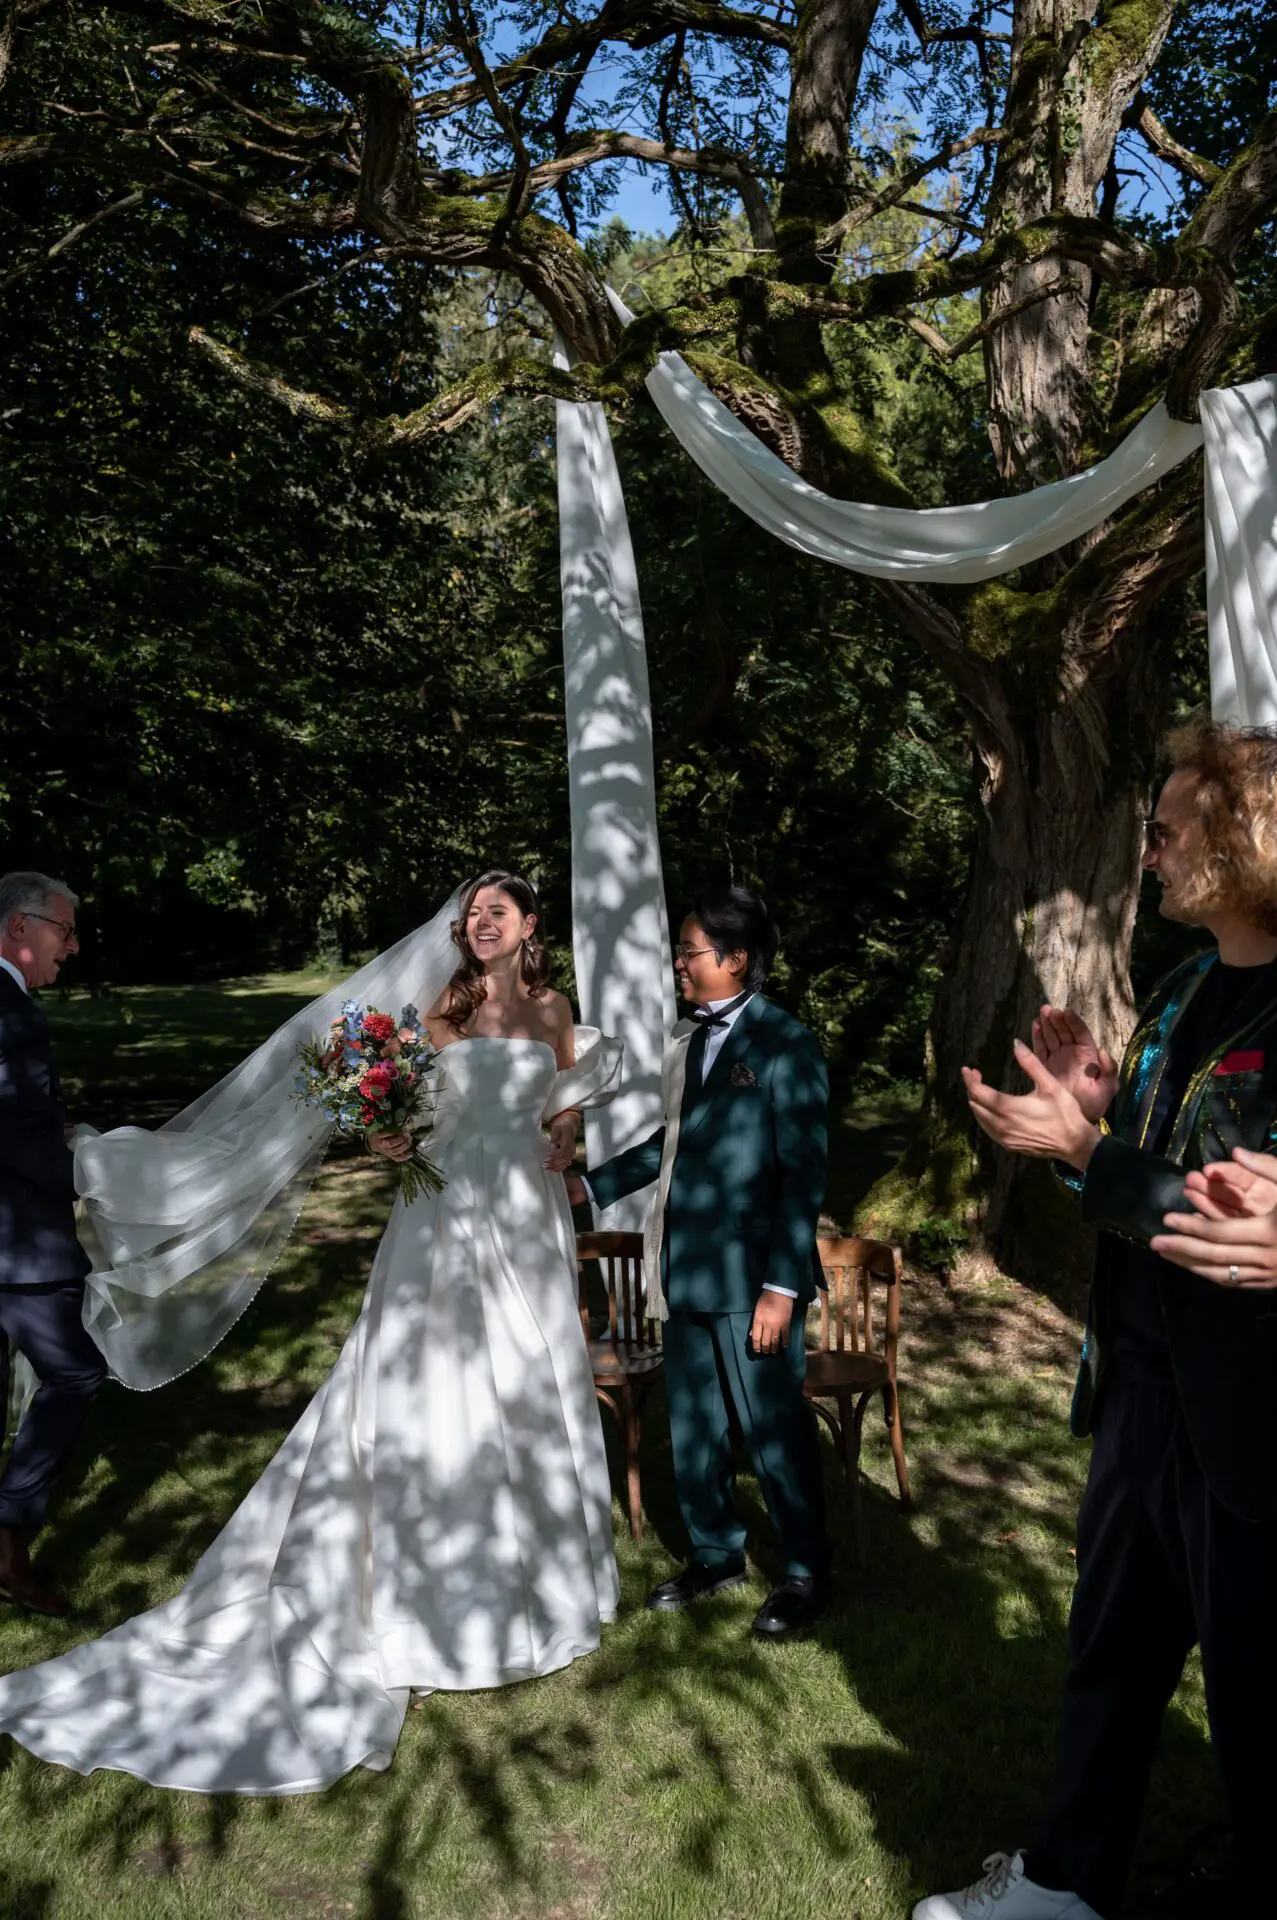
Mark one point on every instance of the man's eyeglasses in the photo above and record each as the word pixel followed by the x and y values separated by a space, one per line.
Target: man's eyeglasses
pixel 690 953
pixel 1156 834
pixel 65 927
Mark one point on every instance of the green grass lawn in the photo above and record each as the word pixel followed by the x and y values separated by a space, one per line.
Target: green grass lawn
pixel 681 1771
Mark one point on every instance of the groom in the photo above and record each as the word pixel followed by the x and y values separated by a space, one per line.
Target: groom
pixel 42 1265
pixel 731 1232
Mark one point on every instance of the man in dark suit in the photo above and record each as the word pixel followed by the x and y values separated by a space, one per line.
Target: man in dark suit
pixel 730 1256
pixel 1177 1536
pixel 42 1265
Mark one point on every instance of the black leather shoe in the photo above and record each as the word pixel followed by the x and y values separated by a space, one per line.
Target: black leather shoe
pixel 694 1583
pixel 792 1607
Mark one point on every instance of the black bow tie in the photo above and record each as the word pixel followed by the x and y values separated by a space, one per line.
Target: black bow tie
pixel 704 1017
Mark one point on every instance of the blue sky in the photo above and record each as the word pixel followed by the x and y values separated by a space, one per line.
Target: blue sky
pixel 643 204
pixel 642 199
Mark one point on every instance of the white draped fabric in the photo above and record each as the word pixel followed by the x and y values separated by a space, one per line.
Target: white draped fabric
pixel 620 937
pixel 184 1224
pixel 1241 550
pixel 955 544
pixel 439 1517
pixel 967 544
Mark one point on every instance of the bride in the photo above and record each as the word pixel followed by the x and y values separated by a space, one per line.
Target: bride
pixel 440 1517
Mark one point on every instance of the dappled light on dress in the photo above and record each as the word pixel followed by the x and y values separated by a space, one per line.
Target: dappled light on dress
pixel 439 1518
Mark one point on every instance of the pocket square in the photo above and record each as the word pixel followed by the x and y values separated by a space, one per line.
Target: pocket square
pixel 741 1076
pixel 1245 1060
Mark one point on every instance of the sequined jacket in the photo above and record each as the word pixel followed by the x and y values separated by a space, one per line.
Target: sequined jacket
pixel 1223 1344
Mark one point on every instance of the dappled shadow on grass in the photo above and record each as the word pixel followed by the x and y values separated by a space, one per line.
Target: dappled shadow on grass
pixel 866 1141
pixel 138 1055
pixel 955 1642
pixel 684 1768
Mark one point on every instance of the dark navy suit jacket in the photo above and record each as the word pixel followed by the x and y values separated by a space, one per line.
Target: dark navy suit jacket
pixel 38 1243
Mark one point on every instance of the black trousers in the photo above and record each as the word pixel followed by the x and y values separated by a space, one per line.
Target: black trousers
pixel 44 1323
pixel 1161 1566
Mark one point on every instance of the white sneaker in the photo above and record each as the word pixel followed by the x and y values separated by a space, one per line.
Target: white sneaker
pixel 1005 1893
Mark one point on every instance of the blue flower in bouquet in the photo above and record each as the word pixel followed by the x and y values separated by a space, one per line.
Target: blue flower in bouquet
pixel 369 1075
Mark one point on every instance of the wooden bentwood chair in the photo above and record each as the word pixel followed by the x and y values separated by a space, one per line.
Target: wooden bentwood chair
pixel 626 1358
pixel 850 1366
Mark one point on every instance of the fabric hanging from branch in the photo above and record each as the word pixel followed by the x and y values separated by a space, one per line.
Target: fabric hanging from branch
pixel 963 545
pixel 956 544
pixel 1241 550
pixel 620 936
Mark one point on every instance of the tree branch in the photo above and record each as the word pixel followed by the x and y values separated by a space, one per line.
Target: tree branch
pixel 1243 197
pixel 590 146
pixel 1140 116
pixel 929 36
pixel 15 16
pixel 635 23
pixel 519 179
pixel 948 351
pixel 129 203
pixel 890 196
pixel 375 437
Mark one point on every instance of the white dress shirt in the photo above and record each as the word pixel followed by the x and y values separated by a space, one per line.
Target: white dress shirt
pixel 715 1037
pixel 10 968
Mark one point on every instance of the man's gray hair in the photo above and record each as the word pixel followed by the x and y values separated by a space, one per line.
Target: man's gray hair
pixel 28 893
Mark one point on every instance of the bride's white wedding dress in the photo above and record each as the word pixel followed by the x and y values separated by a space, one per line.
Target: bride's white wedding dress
pixel 440 1517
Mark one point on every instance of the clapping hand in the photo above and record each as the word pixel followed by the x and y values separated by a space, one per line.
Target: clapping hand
pixel 1230 1237
pixel 1063 1043
pixel 1048 1124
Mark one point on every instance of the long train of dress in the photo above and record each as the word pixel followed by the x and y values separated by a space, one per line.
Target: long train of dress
pixel 440 1516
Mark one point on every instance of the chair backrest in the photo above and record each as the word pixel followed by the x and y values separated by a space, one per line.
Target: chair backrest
pixel 847 1317
pixel 620 1261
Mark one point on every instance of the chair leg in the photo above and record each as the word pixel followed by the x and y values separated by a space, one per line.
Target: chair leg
pixel 850 1424
pixel 631 1427
pixel 895 1427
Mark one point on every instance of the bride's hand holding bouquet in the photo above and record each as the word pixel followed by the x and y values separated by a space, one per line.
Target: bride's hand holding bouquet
pixel 374 1076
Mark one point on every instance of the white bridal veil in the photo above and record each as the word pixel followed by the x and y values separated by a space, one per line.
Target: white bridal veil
pixel 184 1224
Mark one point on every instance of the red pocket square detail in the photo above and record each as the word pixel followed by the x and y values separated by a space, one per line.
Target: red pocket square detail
pixel 1245 1060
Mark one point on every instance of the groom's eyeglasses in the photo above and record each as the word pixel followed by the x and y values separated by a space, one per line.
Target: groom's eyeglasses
pixel 65 927
pixel 1156 834
pixel 690 953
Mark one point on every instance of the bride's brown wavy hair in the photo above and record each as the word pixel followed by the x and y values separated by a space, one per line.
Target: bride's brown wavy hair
pixel 466 990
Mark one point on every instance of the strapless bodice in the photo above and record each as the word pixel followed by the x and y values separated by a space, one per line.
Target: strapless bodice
pixel 492 1088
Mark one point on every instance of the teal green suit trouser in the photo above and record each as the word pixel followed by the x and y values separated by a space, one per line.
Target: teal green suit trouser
pixel 708 1362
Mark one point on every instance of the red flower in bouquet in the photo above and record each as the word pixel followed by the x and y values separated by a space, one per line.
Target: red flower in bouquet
pixel 378 1080
pixel 370 1074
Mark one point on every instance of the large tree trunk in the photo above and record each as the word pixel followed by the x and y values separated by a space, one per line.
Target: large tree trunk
pixel 1048 919
pixel 1066 731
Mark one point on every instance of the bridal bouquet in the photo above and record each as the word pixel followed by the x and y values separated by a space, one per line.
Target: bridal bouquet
pixel 374 1074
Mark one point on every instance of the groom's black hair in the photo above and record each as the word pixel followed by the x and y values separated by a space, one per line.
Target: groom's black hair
pixel 734 920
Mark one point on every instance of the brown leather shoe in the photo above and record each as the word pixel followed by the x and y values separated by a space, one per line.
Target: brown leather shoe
pixel 18 1583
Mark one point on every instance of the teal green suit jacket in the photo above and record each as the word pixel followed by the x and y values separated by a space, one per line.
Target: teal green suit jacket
pixel 749 1175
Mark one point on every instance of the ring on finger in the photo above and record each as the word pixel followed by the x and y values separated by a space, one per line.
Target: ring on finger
pixel 1234 1276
